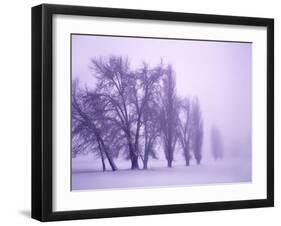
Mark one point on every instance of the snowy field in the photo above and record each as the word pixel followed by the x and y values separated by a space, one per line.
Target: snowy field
pixel 87 174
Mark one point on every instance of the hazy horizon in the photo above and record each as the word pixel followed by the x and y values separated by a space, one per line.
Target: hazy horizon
pixel 219 73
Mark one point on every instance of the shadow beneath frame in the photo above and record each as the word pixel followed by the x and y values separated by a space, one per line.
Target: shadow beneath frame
pixel 25 213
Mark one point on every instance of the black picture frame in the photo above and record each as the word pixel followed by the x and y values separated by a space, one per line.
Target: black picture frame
pixel 42 107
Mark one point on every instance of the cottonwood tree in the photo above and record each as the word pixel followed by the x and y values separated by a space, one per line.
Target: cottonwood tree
pixel 151 132
pixel 115 82
pixel 169 114
pixel 145 90
pixel 87 126
pixel 197 130
pixel 145 94
pixel 126 93
pixel 185 129
pixel 216 143
pixel 133 112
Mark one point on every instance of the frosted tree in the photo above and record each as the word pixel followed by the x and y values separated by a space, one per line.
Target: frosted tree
pixel 132 112
pixel 216 143
pixel 126 94
pixel 145 90
pixel 185 129
pixel 169 114
pixel 114 85
pixel 148 91
pixel 197 130
pixel 151 132
pixel 87 127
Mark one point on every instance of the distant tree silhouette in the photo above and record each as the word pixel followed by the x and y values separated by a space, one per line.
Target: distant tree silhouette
pixel 216 143
pixel 197 130
pixel 185 129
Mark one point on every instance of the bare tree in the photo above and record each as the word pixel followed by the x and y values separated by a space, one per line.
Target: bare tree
pixel 146 92
pixel 127 94
pixel 151 132
pixel 114 85
pixel 87 126
pixel 197 130
pixel 216 143
pixel 131 112
pixel 185 129
pixel 169 114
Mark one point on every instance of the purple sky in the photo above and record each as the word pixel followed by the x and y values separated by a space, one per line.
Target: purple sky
pixel 219 73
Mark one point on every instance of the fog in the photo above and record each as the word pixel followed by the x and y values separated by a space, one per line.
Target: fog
pixel 218 73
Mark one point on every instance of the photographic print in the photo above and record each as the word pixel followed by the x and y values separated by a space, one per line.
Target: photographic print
pixel 138 112
pixel 153 112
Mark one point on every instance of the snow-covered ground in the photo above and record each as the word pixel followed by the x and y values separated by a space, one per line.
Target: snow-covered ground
pixel 87 174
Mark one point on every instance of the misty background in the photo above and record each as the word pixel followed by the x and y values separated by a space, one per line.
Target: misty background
pixel 218 73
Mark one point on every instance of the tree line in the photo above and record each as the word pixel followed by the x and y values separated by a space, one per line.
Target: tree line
pixel 135 113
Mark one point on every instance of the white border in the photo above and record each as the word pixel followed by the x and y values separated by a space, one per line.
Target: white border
pixel 64 199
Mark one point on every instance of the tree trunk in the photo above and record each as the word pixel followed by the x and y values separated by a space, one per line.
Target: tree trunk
pixel 186 155
pixel 108 156
pixel 169 155
pixel 136 148
pixel 169 163
pixel 102 158
pixel 100 140
pixel 145 161
pixel 169 159
pixel 133 157
pixel 145 165
pixel 111 162
pixel 146 151
pixel 103 164
pixel 134 160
